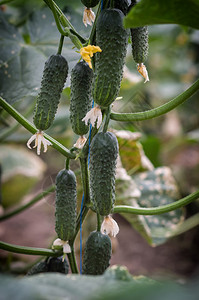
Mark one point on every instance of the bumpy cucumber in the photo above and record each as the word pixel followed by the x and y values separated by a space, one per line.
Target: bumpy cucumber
pixel 97 254
pixel 80 102
pixel 103 158
pixel 90 3
pixel 40 267
pixel 112 38
pixel 122 5
pixel 56 264
pixel 65 204
pixel 54 76
pixel 139 38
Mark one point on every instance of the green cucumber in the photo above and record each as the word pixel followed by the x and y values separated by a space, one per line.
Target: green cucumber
pixel 56 264
pixel 54 76
pixel 80 102
pixel 97 254
pixel 90 3
pixel 103 158
pixel 122 5
pixel 65 204
pixel 40 267
pixel 112 38
pixel 139 38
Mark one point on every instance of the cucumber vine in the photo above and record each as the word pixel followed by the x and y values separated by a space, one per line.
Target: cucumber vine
pixel 98 179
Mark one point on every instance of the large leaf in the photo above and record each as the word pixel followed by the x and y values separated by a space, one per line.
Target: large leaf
pixel 23 56
pixel 58 286
pixel 149 12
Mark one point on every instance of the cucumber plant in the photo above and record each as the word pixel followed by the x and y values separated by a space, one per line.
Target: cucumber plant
pixel 98 81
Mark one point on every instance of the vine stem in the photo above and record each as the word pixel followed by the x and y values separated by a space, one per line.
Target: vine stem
pixel 61 41
pixel 29 250
pixel 107 119
pixel 29 204
pixel 29 126
pixel 157 210
pixel 158 111
pixel 72 261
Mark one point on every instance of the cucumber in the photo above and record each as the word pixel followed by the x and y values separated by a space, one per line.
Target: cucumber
pixel 103 158
pixel 41 267
pixel 112 38
pixel 90 3
pixel 122 5
pixel 97 254
pixel 139 38
pixel 54 76
pixel 56 264
pixel 80 102
pixel 65 204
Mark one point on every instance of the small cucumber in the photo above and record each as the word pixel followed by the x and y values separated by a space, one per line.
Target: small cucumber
pixel 112 38
pixel 80 102
pixel 65 204
pixel 97 254
pixel 56 264
pixel 122 5
pixel 103 158
pixel 41 267
pixel 54 76
pixel 139 38
pixel 90 3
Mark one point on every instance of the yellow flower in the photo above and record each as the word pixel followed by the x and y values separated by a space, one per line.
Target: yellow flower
pixel 88 51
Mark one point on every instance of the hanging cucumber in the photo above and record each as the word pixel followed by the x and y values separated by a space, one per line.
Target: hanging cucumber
pixel 103 158
pixel 122 5
pixel 112 38
pixel 97 254
pixel 80 102
pixel 139 38
pixel 90 3
pixel 56 264
pixel 54 76
pixel 65 205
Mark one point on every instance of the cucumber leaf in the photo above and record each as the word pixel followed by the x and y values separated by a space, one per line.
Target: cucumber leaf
pixel 23 52
pixel 157 187
pixel 150 12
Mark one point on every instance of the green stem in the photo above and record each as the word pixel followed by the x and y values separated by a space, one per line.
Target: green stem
pixel 85 179
pixel 98 222
pixel 28 250
pixel 107 119
pixel 67 163
pixel 156 112
pixel 7 132
pixel 72 261
pixel 84 213
pixel 51 5
pixel 157 210
pixel 29 204
pixel 29 126
pixel 61 41
pixel 93 30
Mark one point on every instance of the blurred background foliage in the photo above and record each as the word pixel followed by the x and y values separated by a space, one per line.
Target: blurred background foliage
pixel 28 35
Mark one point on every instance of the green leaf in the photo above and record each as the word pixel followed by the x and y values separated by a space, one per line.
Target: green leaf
pixel 149 12
pixel 22 57
pixel 21 169
pixel 158 187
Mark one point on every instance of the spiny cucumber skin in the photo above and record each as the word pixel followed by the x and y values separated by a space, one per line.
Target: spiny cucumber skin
pixel 40 267
pixel 122 5
pixel 139 38
pixel 112 38
pixel 90 3
pixel 97 254
pixel 80 102
pixel 65 204
pixel 103 158
pixel 54 76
